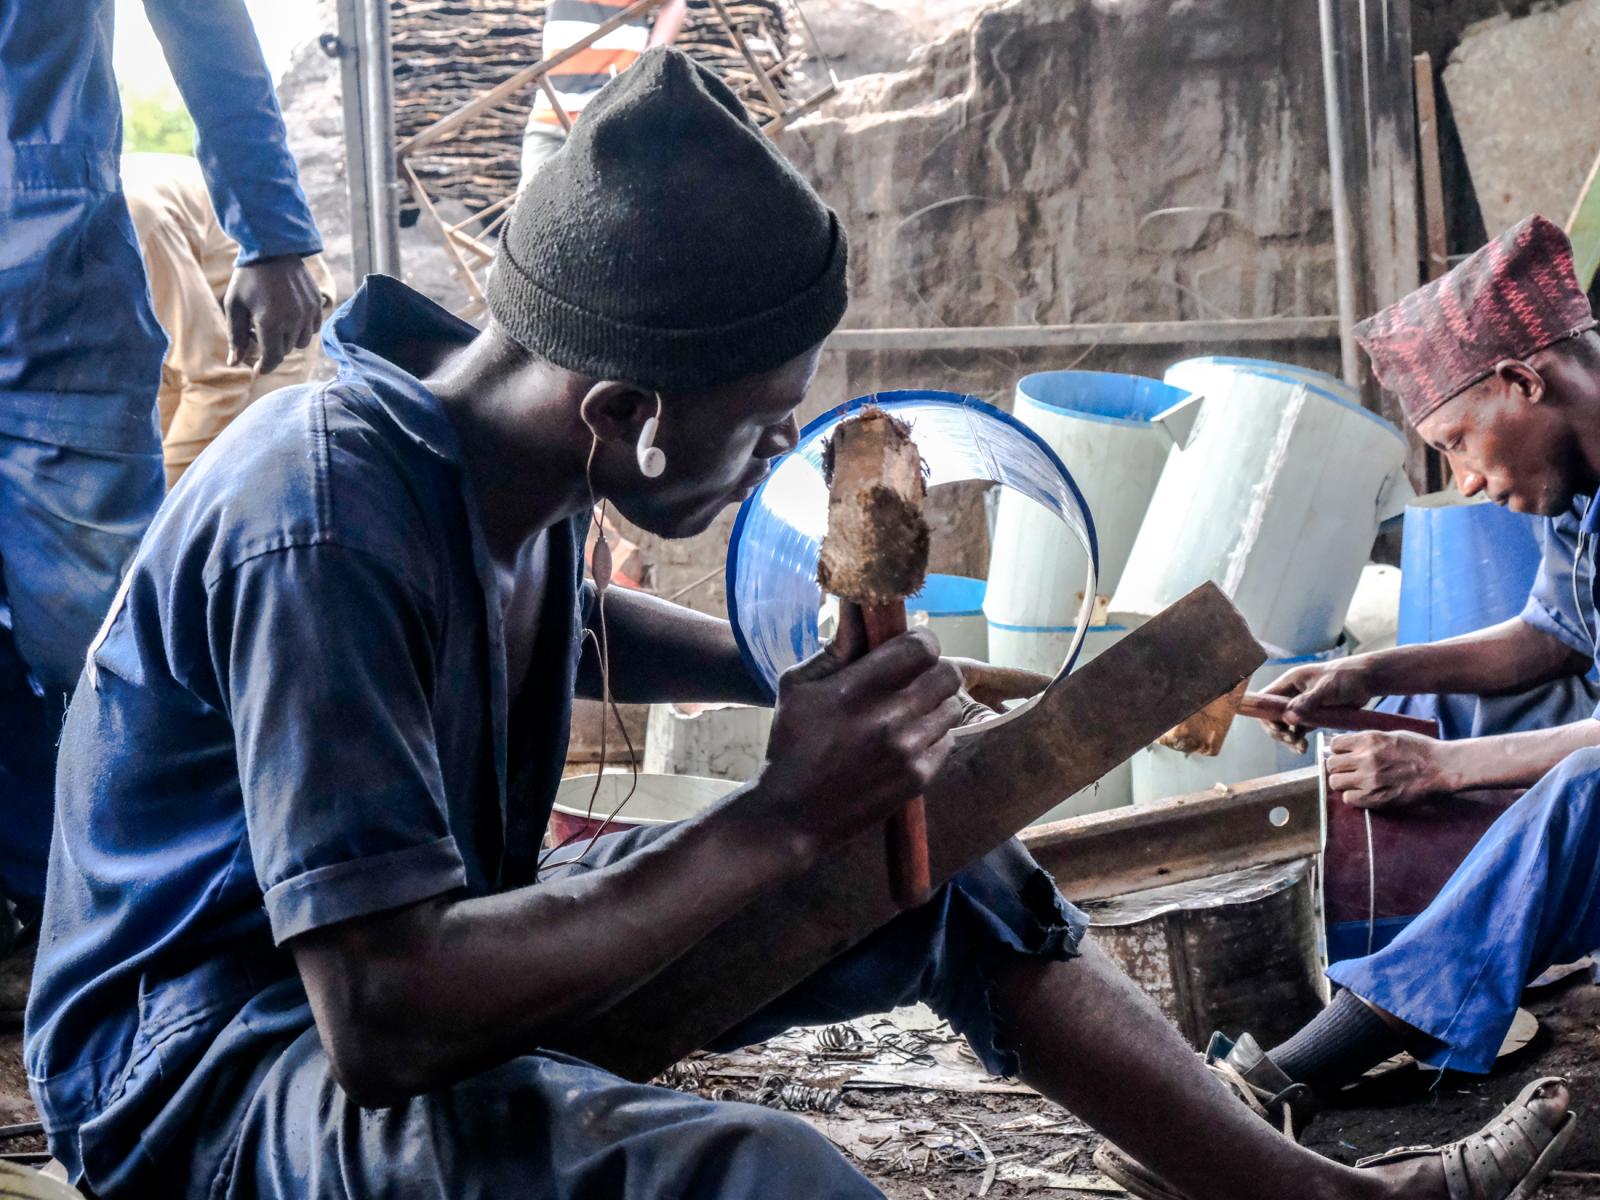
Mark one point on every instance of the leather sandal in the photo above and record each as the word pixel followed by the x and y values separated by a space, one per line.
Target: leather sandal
pixel 1505 1160
pixel 1528 1149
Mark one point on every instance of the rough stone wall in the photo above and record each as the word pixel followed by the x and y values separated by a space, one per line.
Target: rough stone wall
pixel 1083 162
pixel 1062 161
pixel 1506 79
pixel 1057 161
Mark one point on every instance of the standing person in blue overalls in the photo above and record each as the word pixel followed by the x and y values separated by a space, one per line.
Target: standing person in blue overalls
pixel 80 350
pixel 1498 367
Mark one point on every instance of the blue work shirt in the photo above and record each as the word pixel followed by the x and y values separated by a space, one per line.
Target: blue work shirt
pixel 295 714
pixel 80 350
pixel 1562 601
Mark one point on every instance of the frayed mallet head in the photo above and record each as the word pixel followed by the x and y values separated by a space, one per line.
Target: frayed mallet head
pixel 876 547
pixel 1205 732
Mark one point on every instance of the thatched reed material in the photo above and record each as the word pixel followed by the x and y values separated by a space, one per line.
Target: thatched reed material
pixel 447 52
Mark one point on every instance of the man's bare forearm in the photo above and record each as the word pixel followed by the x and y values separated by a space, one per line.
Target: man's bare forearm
pixel 1513 759
pixel 489 977
pixel 661 652
pixel 1507 657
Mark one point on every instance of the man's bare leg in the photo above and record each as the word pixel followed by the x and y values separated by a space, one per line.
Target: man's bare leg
pixel 1093 1042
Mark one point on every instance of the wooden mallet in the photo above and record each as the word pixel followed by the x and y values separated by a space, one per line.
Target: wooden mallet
pixel 874 555
pixel 1205 732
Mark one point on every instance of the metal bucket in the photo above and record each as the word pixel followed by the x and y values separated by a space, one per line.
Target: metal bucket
pixel 658 800
pixel 1249 752
pixel 1234 953
pixel 1464 565
pixel 1276 497
pixel 1102 426
pixel 774 602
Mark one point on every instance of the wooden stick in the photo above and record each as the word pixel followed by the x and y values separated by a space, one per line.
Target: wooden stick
pixel 1271 708
pixel 907 844
pixel 1436 260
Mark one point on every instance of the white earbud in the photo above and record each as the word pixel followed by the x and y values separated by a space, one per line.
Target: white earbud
pixel 652 461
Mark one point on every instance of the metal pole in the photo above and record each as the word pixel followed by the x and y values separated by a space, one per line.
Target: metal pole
pixel 375 62
pixel 1334 48
pixel 347 46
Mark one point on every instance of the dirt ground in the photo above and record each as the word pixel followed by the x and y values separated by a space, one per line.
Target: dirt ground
pixel 917 1116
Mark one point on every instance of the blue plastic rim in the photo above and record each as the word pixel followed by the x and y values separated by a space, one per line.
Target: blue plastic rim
pixel 1101 395
pixel 1288 373
pixel 949 596
pixel 773 597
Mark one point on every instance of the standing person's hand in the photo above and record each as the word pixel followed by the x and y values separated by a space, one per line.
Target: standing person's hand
pixel 993 686
pixel 1344 682
pixel 272 307
pixel 854 739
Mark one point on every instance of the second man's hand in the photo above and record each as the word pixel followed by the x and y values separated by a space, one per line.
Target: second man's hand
pixel 272 307
pixel 1387 770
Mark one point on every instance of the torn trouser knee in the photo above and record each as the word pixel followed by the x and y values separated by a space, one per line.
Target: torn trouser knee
pixel 945 953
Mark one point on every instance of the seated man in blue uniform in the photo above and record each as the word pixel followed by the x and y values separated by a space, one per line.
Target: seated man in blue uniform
pixel 297 941
pixel 1511 700
pixel 80 349
pixel 1532 672
pixel 1498 367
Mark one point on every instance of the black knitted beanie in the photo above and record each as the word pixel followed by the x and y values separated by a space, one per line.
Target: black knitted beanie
pixel 669 243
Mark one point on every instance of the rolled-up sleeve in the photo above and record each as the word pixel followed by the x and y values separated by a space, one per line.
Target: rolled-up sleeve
pixel 240 141
pixel 1552 604
pixel 327 658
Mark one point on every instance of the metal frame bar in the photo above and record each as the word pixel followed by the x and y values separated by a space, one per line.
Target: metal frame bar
pixel 376 64
pixel 1134 333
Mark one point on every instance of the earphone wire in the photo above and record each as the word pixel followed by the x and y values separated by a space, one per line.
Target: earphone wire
pixel 1577 566
pixel 608 706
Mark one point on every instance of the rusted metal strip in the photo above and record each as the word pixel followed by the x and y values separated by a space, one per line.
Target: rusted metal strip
pixel 1000 777
pixel 1268 820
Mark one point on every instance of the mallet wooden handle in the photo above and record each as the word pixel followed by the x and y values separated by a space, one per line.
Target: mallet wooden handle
pixel 1271 708
pixel 910 879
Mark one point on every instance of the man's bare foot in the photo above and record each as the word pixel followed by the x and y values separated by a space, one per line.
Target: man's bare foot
pixel 1423 1178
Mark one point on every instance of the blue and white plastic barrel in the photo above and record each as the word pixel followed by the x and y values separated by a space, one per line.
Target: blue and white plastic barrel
pixel 774 601
pixel 1248 752
pixel 952 607
pixel 1276 497
pixel 1103 427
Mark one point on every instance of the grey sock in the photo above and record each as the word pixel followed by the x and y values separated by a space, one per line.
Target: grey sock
pixel 1338 1046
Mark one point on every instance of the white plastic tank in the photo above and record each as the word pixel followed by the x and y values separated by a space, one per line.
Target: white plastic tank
pixel 1102 426
pixel 1248 752
pixel 1276 497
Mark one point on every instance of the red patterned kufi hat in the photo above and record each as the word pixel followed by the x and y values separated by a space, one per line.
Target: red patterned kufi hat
pixel 1515 296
